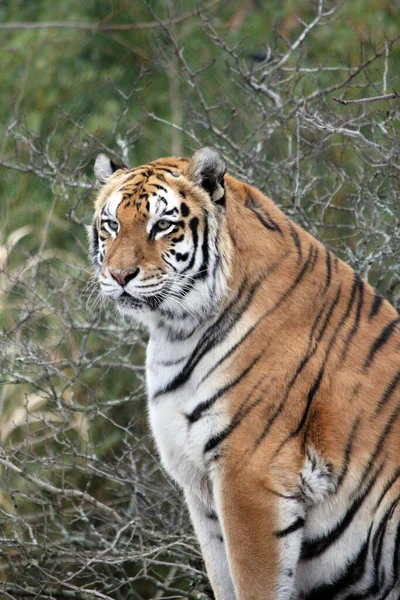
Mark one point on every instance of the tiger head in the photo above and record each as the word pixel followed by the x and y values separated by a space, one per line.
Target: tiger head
pixel 157 240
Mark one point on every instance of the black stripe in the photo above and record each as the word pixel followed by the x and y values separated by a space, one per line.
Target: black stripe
pixel 332 307
pixel 376 305
pixel 94 245
pixel 229 353
pixel 377 550
pixel 328 269
pixel 336 263
pixel 193 225
pixel 377 541
pixel 317 382
pixel 295 283
pixel 148 285
pixel 161 177
pixel 170 264
pixel 232 349
pixel 287 293
pixel 171 211
pixel 313 548
pixel 178 336
pixel 162 169
pixel 215 335
pixel 395 566
pixel 311 340
pixel 352 298
pixel 313 257
pixel 380 442
pixel 310 257
pixel 352 574
pixel 178 239
pixel 357 319
pixel 261 213
pixel 298 524
pixel 310 397
pixel 303 362
pixel 203 270
pixel 395 563
pixel 244 409
pixel 296 240
pixel 388 487
pixel 346 314
pixel 184 209
pixel 217 439
pixel 380 341
pixel 347 452
pixel 160 187
pixel 387 394
pixel 217 260
pixel 197 413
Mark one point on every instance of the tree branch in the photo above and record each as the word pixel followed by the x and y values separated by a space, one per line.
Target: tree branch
pixel 67 493
pixel 367 100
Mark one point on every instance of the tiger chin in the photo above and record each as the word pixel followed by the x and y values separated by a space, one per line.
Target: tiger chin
pixel 273 379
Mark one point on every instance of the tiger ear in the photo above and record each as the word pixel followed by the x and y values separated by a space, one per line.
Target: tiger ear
pixel 207 168
pixel 104 167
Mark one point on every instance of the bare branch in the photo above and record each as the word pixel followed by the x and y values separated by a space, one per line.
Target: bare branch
pixel 393 96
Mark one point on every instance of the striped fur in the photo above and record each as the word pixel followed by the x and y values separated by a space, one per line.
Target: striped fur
pixel 273 381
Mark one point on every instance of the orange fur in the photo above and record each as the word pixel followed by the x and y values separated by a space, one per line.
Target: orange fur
pixel 321 381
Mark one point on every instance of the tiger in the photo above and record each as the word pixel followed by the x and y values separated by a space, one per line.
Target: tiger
pixel 273 380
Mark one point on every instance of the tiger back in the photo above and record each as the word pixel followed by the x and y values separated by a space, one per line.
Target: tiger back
pixel 273 380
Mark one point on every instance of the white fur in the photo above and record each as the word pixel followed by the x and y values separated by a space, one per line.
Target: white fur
pixel 316 479
pixel 209 534
pixel 113 203
pixel 182 446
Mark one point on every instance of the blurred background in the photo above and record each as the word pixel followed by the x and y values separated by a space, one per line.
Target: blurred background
pixel 85 510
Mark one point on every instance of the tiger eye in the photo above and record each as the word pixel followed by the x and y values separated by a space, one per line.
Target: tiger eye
pixel 163 224
pixel 113 225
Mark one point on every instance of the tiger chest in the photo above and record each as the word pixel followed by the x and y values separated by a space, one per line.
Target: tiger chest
pixel 181 443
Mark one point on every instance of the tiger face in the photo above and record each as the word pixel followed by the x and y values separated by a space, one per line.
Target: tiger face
pixel 156 236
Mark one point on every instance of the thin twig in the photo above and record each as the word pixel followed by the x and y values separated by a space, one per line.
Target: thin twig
pixel 367 100
pixel 67 493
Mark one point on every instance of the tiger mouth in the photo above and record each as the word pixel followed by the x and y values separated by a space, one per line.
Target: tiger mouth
pixel 128 301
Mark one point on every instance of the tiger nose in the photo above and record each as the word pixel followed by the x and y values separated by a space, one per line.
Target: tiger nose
pixel 123 276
